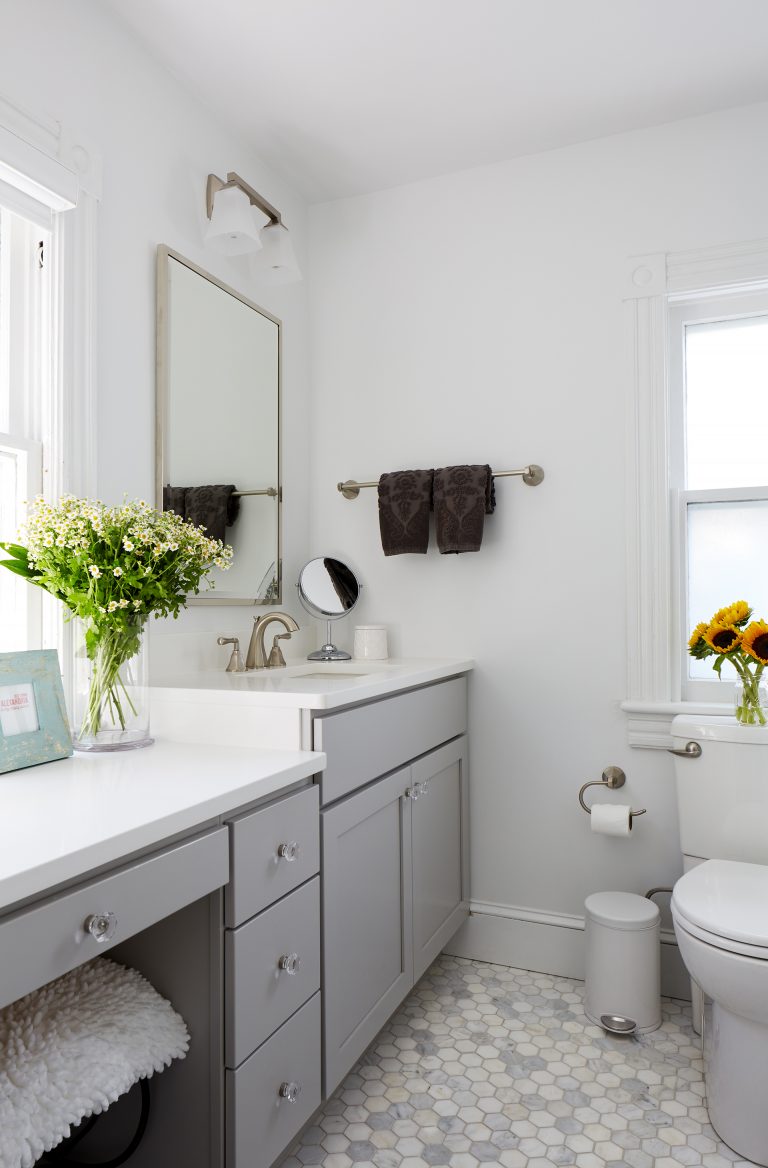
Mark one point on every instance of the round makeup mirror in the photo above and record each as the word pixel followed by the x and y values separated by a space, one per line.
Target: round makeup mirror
pixel 328 589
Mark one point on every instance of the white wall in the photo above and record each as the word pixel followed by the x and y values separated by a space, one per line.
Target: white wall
pixel 76 63
pixel 477 318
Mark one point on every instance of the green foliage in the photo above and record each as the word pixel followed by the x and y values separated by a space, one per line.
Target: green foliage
pixel 112 565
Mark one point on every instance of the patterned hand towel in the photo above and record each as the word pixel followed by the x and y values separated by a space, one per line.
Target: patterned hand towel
pixel 405 500
pixel 463 495
pixel 175 499
pixel 213 508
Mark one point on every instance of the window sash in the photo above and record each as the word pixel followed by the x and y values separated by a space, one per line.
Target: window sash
pixel 26 389
pixel 699 689
pixel 24 600
pixel 703 309
pixel 706 308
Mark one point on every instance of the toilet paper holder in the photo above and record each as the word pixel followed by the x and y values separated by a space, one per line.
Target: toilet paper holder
pixel 613 778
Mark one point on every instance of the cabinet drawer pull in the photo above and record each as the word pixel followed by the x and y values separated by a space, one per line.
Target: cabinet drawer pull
pixel 288 851
pixel 290 963
pixel 102 926
pixel 289 1091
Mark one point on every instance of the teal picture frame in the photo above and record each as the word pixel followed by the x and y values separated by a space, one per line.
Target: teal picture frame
pixel 33 718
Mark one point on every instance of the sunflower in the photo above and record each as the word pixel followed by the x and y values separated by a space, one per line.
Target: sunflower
pixel 723 638
pixel 737 613
pixel 755 641
pixel 697 635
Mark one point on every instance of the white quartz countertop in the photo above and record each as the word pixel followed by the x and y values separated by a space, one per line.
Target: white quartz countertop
pixel 62 819
pixel 316 685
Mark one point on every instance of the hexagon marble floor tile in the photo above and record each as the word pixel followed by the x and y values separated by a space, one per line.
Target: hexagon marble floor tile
pixel 485 1065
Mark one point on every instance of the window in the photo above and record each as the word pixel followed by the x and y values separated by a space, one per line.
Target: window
pixel 719 466
pixel 50 185
pixel 25 407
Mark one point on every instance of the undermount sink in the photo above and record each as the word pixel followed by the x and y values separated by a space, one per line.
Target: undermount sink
pixel 326 673
pixel 323 669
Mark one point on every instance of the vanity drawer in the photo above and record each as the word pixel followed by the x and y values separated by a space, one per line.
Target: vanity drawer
pixel 261 1123
pixel 261 995
pixel 259 874
pixel 47 940
pixel 372 740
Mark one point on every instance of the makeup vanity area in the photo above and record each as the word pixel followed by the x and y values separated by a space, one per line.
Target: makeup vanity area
pixel 285 900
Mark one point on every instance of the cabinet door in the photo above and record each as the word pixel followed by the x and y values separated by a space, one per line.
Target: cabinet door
pixel 440 826
pixel 367 948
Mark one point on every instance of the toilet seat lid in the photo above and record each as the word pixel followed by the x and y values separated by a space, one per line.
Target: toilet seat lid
pixel 727 898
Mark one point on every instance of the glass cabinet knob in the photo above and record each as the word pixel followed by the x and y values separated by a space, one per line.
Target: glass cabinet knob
pixel 101 926
pixel 288 851
pixel 289 962
pixel 413 792
pixel 289 1091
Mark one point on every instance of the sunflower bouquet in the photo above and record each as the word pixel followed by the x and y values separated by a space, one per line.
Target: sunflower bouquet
pixel 731 635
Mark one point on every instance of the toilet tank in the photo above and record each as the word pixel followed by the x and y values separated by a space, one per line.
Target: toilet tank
pixel 722 796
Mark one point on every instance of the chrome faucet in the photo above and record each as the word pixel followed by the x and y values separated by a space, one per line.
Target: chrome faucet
pixel 255 658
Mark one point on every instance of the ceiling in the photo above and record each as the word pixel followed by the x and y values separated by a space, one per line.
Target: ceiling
pixel 342 97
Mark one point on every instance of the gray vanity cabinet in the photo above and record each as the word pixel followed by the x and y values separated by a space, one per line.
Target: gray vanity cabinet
pixel 367 918
pixel 272 978
pixel 439 824
pixel 394 857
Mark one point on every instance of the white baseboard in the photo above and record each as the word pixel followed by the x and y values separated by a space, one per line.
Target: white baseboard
pixel 547 942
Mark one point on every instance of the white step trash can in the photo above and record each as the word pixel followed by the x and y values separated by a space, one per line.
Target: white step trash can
pixel 623 990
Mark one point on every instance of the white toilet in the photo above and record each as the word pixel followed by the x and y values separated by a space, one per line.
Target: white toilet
pixel 720 912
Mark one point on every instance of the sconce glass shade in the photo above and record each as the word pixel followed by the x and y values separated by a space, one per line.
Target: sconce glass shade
pixel 233 229
pixel 276 261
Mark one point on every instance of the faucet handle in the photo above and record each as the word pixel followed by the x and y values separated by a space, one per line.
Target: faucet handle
pixel 236 660
pixel 276 659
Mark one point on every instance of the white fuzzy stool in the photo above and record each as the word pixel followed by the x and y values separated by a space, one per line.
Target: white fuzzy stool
pixel 72 1048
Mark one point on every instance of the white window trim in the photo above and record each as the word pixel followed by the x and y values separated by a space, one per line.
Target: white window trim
pixel 651 282
pixel 54 173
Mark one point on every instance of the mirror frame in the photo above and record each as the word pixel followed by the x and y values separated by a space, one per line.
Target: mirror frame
pixel 309 605
pixel 162 393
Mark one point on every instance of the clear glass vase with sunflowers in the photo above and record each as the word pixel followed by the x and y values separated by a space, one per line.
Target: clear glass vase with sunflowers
pixel 731 635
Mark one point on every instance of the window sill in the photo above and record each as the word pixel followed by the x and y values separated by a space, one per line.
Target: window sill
pixel 649 724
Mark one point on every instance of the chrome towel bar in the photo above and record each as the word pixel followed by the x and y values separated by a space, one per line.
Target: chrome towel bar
pixel 531 475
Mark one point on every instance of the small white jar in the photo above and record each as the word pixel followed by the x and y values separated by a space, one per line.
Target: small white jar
pixel 370 643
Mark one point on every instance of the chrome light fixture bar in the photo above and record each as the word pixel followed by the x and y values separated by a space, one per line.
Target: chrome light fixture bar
pixel 216 184
pixel 235 229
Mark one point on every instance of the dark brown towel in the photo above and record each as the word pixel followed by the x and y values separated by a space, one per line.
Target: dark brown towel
pixel 211 507
pixel 464 495
pixel 175 499
pixel 405 500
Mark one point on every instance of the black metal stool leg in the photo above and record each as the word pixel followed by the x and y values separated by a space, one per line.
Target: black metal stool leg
pixel 60 1155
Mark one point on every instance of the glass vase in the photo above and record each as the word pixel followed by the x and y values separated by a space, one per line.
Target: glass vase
pixel 751 701
pixel 111 700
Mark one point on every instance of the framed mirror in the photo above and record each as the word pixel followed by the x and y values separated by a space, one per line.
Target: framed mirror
pixel 218 424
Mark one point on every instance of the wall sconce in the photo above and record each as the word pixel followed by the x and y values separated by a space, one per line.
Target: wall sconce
pixel 242 222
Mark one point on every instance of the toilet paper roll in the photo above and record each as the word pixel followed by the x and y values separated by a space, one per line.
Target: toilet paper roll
pixel 611 818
